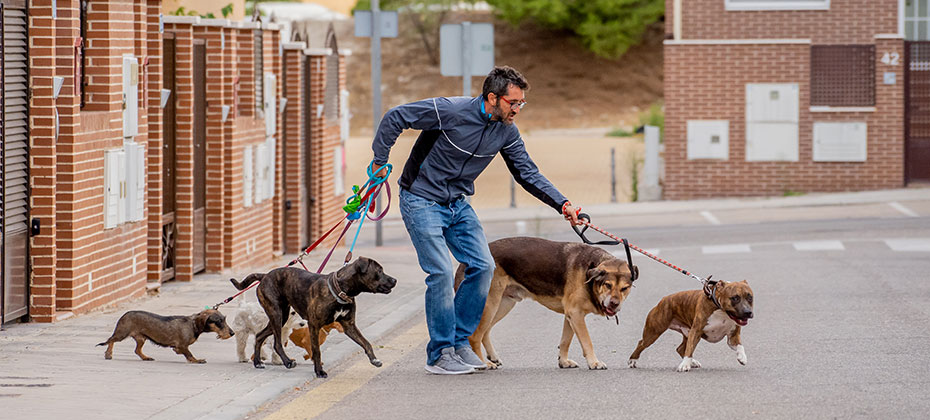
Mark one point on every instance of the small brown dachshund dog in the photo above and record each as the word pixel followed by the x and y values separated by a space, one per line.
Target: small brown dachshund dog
pixel 177 332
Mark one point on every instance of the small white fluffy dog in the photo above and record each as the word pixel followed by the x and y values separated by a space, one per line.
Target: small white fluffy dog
pixel 250 320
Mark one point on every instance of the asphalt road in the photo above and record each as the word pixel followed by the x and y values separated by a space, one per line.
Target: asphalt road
pixel 841 309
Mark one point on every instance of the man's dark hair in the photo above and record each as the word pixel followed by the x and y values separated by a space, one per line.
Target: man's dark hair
pixel 500 78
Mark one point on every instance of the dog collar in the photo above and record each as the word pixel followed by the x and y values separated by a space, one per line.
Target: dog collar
pixel 341 297
pixel 710 290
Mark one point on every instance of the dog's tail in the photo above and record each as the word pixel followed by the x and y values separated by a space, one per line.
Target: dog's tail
pixel 102 344
pixel 459 276
pixel 251 278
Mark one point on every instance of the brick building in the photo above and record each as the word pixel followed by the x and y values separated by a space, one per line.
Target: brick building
pixel 768 97
pixel 138 148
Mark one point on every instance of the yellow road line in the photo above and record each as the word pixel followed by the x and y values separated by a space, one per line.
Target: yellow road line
pixel 323 397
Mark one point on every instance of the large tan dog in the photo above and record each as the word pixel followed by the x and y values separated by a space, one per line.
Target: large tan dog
pixel 712 315
pixel 569 278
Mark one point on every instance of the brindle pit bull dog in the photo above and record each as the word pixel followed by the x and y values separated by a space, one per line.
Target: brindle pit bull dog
pixel 569 278
pixel 177 332
pixel 318 298
pixel 695 315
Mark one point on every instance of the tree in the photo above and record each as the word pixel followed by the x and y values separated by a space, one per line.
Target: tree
pixel 606 27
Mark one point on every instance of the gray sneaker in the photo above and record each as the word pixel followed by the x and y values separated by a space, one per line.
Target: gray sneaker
pixel 449 364
pixel 467 356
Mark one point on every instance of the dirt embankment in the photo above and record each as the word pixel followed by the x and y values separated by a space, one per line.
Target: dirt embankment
pixel 569 86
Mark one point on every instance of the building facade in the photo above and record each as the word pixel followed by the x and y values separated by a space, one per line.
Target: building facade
pixel 139 148
pixel 771 97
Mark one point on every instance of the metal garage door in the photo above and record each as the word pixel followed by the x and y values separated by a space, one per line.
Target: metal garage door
pixel 14 155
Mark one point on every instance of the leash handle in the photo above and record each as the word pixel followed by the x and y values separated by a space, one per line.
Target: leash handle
pixel 586 220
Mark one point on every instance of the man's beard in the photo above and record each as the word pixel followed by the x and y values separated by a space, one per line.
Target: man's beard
pixel 501 117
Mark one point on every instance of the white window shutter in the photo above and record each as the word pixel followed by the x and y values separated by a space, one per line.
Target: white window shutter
pixel 121 181
pixel 271 102
pixel 111 188
pixel 140 183
pixel 247 176
pixel 261 166
pixel 344 115
pixel 272 157
pixel 772 122
pixel 338 182
pixel 130 96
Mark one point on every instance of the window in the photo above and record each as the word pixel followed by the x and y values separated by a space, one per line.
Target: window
pixel 843 75
pixel 917 20
pixel 777 4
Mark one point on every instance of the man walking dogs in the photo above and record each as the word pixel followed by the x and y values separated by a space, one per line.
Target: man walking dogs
pixel 460 137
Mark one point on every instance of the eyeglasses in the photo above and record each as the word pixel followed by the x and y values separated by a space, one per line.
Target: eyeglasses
pixel 514 106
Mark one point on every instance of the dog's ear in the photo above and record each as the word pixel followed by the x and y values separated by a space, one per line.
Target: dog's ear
pixel 200 321
pixel 361 265
pixel 594 274
pixel 634 272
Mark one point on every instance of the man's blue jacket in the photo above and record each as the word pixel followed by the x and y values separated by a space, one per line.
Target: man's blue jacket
pixel 458 142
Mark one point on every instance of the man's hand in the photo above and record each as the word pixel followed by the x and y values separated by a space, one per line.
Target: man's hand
pixel 571 213
pixel 379 170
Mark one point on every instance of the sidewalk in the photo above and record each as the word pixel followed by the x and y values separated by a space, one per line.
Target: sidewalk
pixel 54 370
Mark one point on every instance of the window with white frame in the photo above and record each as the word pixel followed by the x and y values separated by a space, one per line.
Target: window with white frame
pixel 917 20
pixel 777 4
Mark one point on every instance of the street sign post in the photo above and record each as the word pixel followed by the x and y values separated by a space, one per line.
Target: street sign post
pixel 376 24
pixel 466 49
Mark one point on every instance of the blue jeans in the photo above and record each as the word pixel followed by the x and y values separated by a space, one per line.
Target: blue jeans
pixel 435 229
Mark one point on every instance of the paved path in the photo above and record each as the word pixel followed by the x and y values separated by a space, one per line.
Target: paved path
pixel 53 371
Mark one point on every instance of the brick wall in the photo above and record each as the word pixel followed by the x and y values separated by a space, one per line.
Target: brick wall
pixel 77 264
pixel 97 266
pixel 847 21
pixel 708 82
pixel 183 95
pixel 43 58
pixel 324 137
pixel 293 169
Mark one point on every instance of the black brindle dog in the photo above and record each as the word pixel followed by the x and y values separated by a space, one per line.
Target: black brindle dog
pixel 318 298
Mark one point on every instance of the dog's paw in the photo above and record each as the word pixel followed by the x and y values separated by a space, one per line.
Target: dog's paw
pixel 243 360
pixel 497 362
pixel 107 356
pixel 375 362
pixel 321 374
pixel 306 357
pixel 632 363
pixel 597 365
pixel 197 361
pixel 567 363
pixel 685 364
pixel 259 365
pixel 695 364
pixel 290 364
pixel 741 355
pixel 491 365
pixel 147 359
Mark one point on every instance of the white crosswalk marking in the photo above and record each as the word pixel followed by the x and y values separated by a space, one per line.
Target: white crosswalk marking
pixel 726 249
pixel 908 244
pixel 900 207
pixel 819 246
pixel 710 217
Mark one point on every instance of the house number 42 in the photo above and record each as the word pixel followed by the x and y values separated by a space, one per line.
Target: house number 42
pixel 891 59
